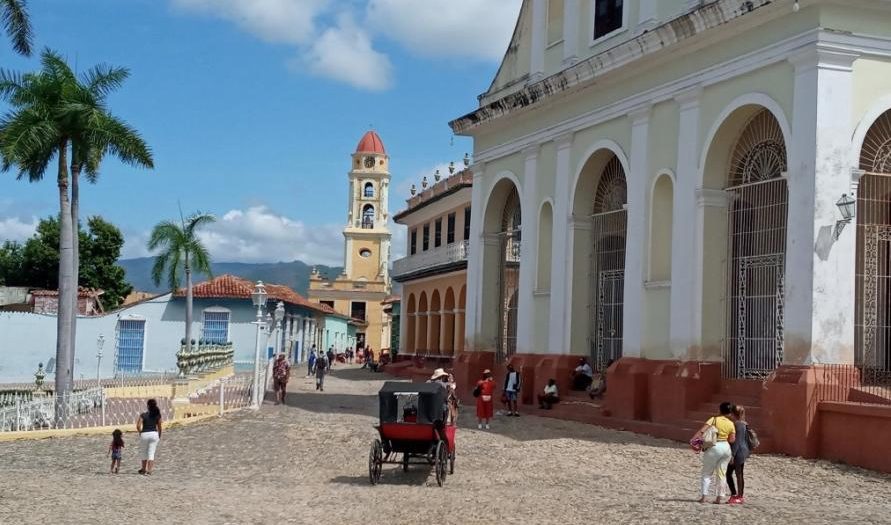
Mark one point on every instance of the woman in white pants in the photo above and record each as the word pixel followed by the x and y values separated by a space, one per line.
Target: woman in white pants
pixel 716 458
pixel 149 427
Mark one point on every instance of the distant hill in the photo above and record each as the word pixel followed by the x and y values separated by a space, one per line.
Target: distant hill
pixel 293 274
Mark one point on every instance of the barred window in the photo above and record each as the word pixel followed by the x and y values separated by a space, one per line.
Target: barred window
pixel 130 345
pixel 216 327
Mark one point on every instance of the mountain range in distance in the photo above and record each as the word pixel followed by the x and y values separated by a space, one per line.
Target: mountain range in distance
pixel 292 274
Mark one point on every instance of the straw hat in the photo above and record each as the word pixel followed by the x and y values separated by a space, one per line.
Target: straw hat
pixel 486 372
pixel 439 372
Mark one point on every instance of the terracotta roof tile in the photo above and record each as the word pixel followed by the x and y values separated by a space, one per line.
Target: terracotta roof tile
pixel 233 287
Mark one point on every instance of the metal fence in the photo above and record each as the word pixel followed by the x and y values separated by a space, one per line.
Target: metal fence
pixel 117 402
pixel 853 384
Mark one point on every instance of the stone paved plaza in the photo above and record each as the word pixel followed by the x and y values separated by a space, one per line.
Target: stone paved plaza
pixel 307 463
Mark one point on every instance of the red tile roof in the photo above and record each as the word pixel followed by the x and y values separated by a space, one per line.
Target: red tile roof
pixel 233 287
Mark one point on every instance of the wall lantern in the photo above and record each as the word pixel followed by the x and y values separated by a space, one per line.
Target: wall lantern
pixel 259 295
pixel 466 160
pixel 847 205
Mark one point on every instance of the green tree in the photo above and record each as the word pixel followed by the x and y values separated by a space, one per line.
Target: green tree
pixel 181 253
pixel 10 263
pixel 57 115
pixel 17 23
pixel 36 263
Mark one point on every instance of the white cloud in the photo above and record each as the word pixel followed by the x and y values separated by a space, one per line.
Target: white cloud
pixel 477 29
pixel 16 229
pixel 342 47
pixel 345 52
pixel 278 21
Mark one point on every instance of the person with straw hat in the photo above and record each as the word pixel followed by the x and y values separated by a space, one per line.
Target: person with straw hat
pixel 441 377
pixel 483 392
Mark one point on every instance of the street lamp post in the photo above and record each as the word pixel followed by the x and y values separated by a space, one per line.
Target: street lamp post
pixel 279 317
pixel 259 297
pixel 100 342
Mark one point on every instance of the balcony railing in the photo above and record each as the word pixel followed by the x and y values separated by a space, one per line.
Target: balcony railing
pixel 448 254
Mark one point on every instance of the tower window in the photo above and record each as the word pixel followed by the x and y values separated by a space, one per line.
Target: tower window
pixel 365 252
pixel 368 217
pixel 426 241
pixel 369 190
pixel 357 310
pixel 607 17
pixel 437 234
pixel 450 229
pixel 413 243
pixel 467 223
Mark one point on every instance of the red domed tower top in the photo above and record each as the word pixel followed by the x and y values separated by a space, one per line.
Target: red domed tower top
pixel 371 143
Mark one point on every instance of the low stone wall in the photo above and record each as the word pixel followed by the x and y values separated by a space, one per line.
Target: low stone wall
pixel 856 434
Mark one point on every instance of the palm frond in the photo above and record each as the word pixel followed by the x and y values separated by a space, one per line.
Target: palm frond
pixel 17 23
pixel 166 234
pixel 55 66
pixel 196 221
pixel 158 268
pixel 200 258
pixel 11 82
pixel 175 262
pixel 114 136
pixel 102 79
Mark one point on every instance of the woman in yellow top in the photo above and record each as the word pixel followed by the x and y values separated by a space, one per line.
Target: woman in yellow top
pixel 716 458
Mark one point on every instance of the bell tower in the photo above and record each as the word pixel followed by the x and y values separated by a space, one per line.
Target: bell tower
pixel 367 236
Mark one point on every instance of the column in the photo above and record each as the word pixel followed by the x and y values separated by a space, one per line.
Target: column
pixel 539 35
pixel 447 333
pixel 459 331
pixel 475 258
pixel 570 32
pixel 528 254
pixel 685 309
pixel 634 318
pixel 421 334
pixel 820 270
pixel 433 339
pixel 561 258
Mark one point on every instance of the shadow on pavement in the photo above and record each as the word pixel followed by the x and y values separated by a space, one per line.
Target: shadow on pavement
pixel 417 475
pixel 321 402
pixel 356 373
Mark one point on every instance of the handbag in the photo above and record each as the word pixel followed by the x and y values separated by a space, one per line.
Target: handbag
pixel 477 391
pixel 752 438
pixel 710 436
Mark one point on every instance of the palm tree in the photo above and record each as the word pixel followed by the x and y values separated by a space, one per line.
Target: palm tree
pixel 14 16
pixel 181 252
pixel 55 114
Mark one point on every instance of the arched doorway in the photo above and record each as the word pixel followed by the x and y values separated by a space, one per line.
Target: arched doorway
pixel 873 292
pixel 607 266
pixel 411 316
pixel 757 216
pixel 509 275
pixel 421 332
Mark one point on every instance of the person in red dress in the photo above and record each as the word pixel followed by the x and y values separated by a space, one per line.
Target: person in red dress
pixel 484 402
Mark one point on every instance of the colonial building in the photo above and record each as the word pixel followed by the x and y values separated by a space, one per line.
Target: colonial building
pixel 668 183
pixel 434 273
pixel 365 282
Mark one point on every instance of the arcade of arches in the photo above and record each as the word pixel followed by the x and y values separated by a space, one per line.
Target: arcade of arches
pixel 435 317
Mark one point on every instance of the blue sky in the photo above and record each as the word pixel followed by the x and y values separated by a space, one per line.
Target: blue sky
pixel 252 108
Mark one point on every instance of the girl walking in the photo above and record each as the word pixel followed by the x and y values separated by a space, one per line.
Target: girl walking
pixel 484 403
pixel 115 450
pixel 149 427
pixel 716 435
pixel 740 452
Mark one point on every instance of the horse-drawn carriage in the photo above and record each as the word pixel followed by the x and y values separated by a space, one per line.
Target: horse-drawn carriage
pixel 413 430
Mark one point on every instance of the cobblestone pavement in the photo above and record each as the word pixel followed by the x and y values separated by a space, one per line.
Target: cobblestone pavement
pixel 307 463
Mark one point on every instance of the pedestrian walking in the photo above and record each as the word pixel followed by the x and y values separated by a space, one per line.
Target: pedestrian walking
pixel 149 427
pixel 483 392
pixel 715 438
pixel 331 356
pixel 116 450
pixel 281 372
pixel 511 390
pixel 311 361
pixel 321 371
pixel 740 450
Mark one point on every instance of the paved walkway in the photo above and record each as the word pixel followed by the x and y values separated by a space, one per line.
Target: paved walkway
pixel 307 463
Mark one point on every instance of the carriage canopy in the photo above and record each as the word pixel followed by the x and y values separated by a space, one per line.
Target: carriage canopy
pixel 428 399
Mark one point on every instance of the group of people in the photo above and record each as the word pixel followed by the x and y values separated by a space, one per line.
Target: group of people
pixel 319 363
pixel 725 442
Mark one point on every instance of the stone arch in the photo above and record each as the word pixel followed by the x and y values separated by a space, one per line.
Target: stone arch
pixel 421 332
pixel 661 226
pixel 411 324
pixel 368 216
pixel 872 326
pixel 447 333
pixel 368 190
pixel 597 231
pixel 501 228
pixel 745 203
pixel 545 246
pixel 461 321
pixel 434 320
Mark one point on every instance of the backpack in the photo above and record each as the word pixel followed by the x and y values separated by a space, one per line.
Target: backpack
pixel 710 436
pixel 752 438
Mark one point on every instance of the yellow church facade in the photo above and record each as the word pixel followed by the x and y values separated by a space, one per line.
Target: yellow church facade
pixel 365 282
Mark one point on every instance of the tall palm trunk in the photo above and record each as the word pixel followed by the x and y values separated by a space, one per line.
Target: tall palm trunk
pixel 64 374
pixel 75 255
pixel 188 269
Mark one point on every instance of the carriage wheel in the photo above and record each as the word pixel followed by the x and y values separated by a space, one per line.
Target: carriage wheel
pixel 405 462
pixel 375 462
pixel 442 457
